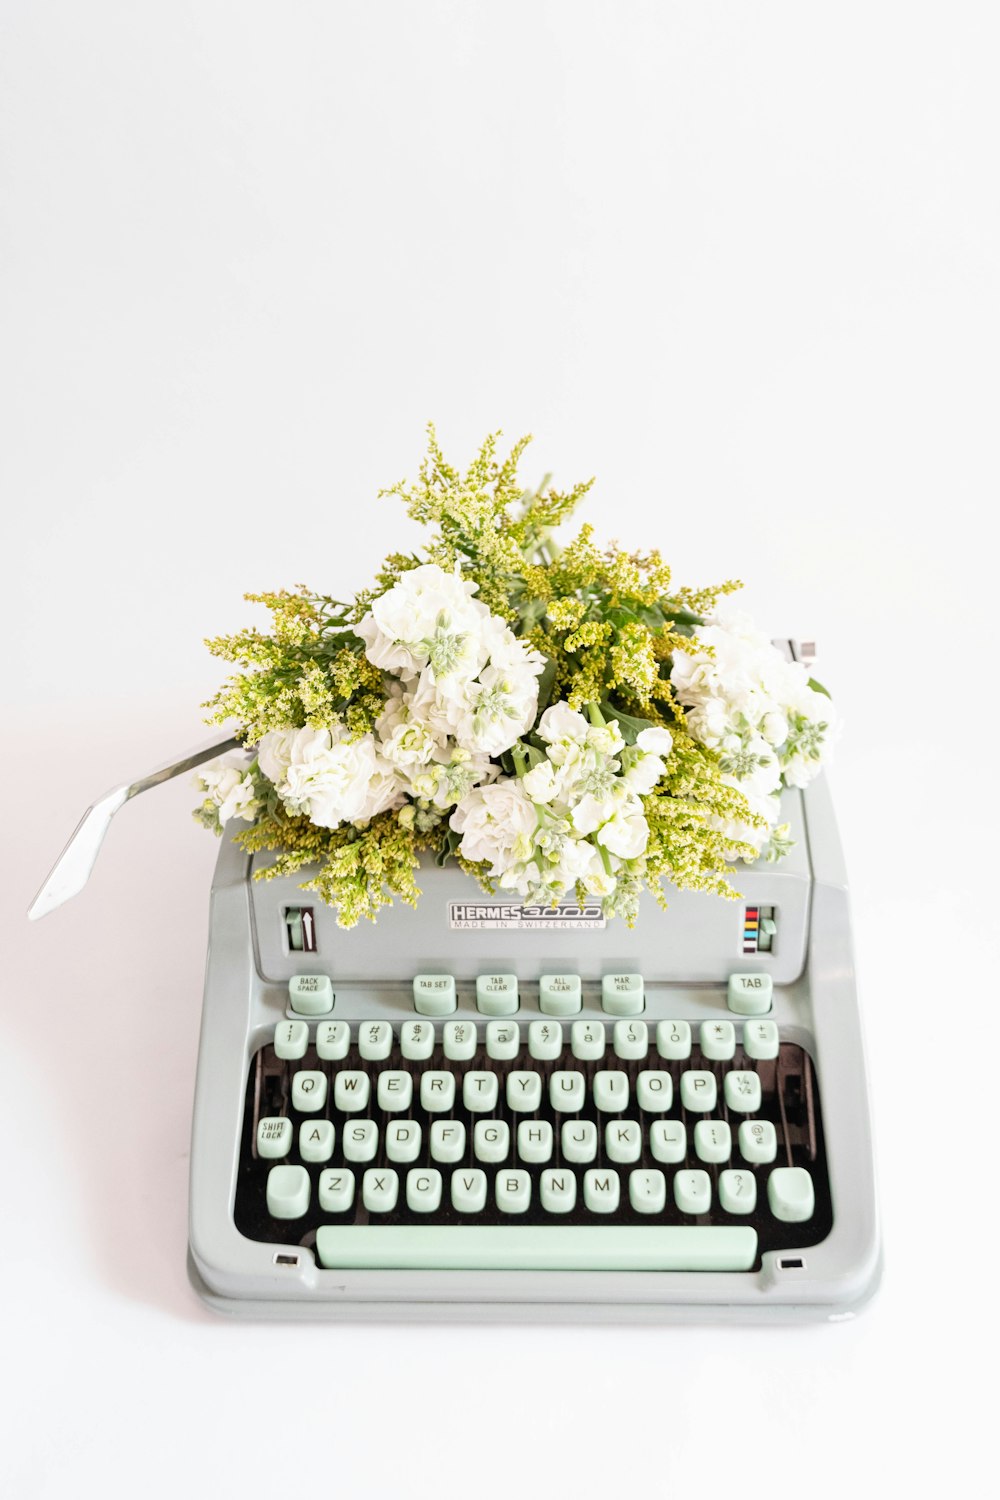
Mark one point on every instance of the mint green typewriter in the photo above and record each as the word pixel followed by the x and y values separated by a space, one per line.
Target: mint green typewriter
pixel 485 1110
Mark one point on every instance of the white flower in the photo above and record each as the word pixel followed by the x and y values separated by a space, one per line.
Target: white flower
pixel 655 741
pixel 384 790
pixel 276 752
pixel 500 707
pixel 626 834
pixel 562 725
pixel 429 616
pixel 606 739
pixel 228 785
pixel 496 823
pixel 411 743
pixel 774 727
pixel 326 775
pixel 541 782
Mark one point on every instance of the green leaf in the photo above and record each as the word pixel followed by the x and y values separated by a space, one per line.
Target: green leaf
pixel 546 682
pixel 629 726
pixel 818 687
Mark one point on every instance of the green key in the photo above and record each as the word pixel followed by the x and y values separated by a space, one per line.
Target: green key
pixel 790 1194
pixel 559 994
pixel 310 994
pixel 622 994
pixel 538 1247
pixel 496 994
pixel 750 994
pixel 434 994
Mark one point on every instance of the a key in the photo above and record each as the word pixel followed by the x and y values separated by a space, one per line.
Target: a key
pixel 434 994
pixel 567 1092
pixel 394 1092
pixel 559 994
pixel 513 1192
pixel 310 995
pixel 480 1092
pixel 423 1190
pixel 668 1141
pixel 557 1191
pixel 623 1140
pixel 610 1091
pixel 647 1191
pixel 274 1137
pixel 437 1092
pixel 622 995
pixel 402 1140
pixel 491 1140
pixel 718 1040
pixel 291 1038
pixel 534 1141
pixel 693 1191
pixel 503 1040
pixel 447 1140
pixel 758 1141
pixel 524 1091
pixel 359 1139
pixel 496 994
pixel 336 1190
pixel 308 1092
pixel 673 1040
pixel 737 1191
pixel 316 1140
pixel 790 1194
pixel 380 1190
pixel 587 1041
pixel 654 1091
pixel 578 1139
pixel 460 1041
pixel 601 1190
pixel 760 1040
pixel 375 1040
pixel 741 1091
pixel 288 1191
pixel 416 1040
pixel 333 1041
pixel 698 1091
pixel 750 994
pixel 713 1140
pixel 351 1091
pixel 468 1190
pixel 631 1039
pixel 545 1040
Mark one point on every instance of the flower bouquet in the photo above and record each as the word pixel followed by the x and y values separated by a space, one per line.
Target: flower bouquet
pixel 562 721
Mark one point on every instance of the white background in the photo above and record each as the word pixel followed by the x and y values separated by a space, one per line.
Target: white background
pixel 740 262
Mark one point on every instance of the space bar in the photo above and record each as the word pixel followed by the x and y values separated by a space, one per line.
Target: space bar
pixel 530 1247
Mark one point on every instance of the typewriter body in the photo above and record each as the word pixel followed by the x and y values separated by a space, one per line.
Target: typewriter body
pixel 475 1109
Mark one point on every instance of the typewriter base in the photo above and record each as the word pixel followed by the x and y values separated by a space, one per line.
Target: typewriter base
pixel 556 1312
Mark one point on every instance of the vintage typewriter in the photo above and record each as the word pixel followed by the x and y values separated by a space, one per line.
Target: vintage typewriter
pixel 482 1109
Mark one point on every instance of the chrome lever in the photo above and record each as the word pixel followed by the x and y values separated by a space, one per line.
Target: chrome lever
pixel 71 870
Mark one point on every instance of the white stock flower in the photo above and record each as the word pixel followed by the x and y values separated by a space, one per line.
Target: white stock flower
pixel 541 783
pixel 655 740
pixel 428 617
pixel 326 775
pixel 752 706
pixel 496 823
pixel 229 786
pixel 626 833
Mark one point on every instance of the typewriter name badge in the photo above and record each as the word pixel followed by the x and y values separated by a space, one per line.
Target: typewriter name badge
pixel 466 915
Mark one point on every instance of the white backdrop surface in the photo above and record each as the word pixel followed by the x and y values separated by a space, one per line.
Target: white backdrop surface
pixel 738 261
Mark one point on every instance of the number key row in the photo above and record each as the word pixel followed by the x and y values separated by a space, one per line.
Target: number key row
pixel 588 1040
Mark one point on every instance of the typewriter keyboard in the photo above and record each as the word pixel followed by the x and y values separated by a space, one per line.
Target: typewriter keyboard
pixel 546 1144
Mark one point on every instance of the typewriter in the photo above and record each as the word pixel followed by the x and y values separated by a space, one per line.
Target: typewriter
pixel 480 1109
